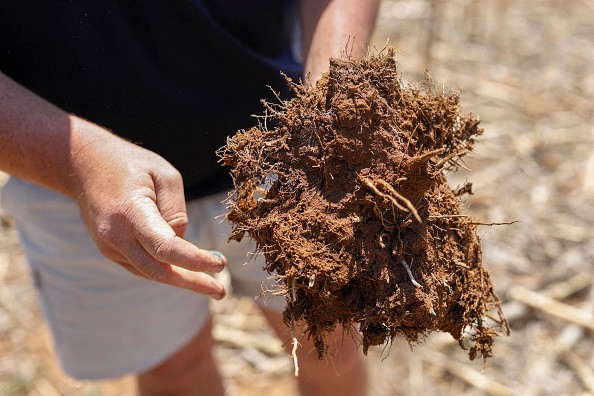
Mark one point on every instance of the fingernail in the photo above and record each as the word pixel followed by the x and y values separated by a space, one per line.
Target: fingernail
pixel 218 254
pixel 221 260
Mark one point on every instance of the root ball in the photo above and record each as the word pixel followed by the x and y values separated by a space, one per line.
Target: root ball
pixel 347 198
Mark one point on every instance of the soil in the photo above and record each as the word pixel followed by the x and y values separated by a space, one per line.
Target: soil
pixel 344 189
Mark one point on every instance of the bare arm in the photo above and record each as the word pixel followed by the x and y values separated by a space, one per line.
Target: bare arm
pixel 329 25
pixel 130 198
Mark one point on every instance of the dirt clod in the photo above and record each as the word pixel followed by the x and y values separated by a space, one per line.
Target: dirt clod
pixel 346 196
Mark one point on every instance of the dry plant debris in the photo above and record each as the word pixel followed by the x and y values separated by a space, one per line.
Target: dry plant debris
pixel 346 196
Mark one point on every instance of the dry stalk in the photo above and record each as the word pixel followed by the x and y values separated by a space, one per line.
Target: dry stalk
pixel 558 291
pixel 469 375
pixel 581 368
pixel 553 307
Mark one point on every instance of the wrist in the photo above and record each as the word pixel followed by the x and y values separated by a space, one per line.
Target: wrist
pixel 83 160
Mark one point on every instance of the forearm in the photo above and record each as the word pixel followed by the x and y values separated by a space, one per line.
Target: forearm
pixel 330 27
pixel 131 199
pixel 40 142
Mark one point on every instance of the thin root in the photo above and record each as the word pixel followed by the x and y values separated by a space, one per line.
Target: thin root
pixel 295 342
pixel 294 353
pixel 410 275
pixel 408 204
pixel 392 198
pixel 448 158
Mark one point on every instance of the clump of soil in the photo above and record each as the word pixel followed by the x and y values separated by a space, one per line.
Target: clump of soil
pixel 347 198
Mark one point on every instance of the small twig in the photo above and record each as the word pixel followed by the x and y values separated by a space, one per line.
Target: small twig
pixel 447 216
pixel 410 275
pixel 466 188
pixel 241 339
pixel 294 353
pixel 471 222
pixel 493 224
pixel 563 289
pixel 558 291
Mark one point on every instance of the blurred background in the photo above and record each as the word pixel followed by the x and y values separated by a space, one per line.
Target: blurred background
pixel 527 68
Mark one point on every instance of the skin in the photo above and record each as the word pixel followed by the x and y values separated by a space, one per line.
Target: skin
pixel 333 28
pixel 135 209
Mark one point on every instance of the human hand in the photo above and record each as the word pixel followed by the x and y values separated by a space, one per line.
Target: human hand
pixel 132 201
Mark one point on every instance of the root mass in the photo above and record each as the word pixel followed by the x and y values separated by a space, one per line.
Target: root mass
pixel 347 198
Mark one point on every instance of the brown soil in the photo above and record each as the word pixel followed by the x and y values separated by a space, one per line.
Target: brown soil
pixel 347 198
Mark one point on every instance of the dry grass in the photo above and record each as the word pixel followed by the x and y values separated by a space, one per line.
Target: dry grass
pixel 528 69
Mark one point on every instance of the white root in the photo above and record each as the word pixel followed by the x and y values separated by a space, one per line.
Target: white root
pixel 410 275
pixel 295 342
pixel 294 353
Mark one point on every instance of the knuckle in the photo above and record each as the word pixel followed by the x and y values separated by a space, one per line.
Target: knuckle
pixel 158 276
pixel 172 175
pixel 110 223
pixel 106 235
pixel 163 249
pixel 179 219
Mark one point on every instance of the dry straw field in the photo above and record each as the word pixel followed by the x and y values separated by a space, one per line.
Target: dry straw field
pixel 527 68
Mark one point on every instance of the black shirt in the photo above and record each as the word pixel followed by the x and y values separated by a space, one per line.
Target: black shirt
pixel 175 76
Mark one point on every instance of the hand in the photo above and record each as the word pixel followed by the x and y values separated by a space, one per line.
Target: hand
pixel 132 201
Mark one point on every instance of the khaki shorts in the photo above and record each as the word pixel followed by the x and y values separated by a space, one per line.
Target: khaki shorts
pixel 105 321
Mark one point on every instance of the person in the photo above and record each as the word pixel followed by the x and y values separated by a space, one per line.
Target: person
pixel 110 116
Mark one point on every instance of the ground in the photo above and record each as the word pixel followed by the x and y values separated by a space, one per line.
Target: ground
pixel 527 69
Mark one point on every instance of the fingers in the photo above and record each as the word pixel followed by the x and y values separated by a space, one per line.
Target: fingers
pixel 151 268
pixel 147 267
pixel 163 245
pixel 160 254
pixel 147 246
pixel 152 227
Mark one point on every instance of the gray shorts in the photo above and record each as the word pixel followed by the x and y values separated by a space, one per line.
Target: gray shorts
pixel 105 321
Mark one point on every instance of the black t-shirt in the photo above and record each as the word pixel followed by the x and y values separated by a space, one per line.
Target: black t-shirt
pixel 175 76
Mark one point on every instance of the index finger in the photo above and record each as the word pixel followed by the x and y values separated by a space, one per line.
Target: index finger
pixel 195 281
pixel 161 242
